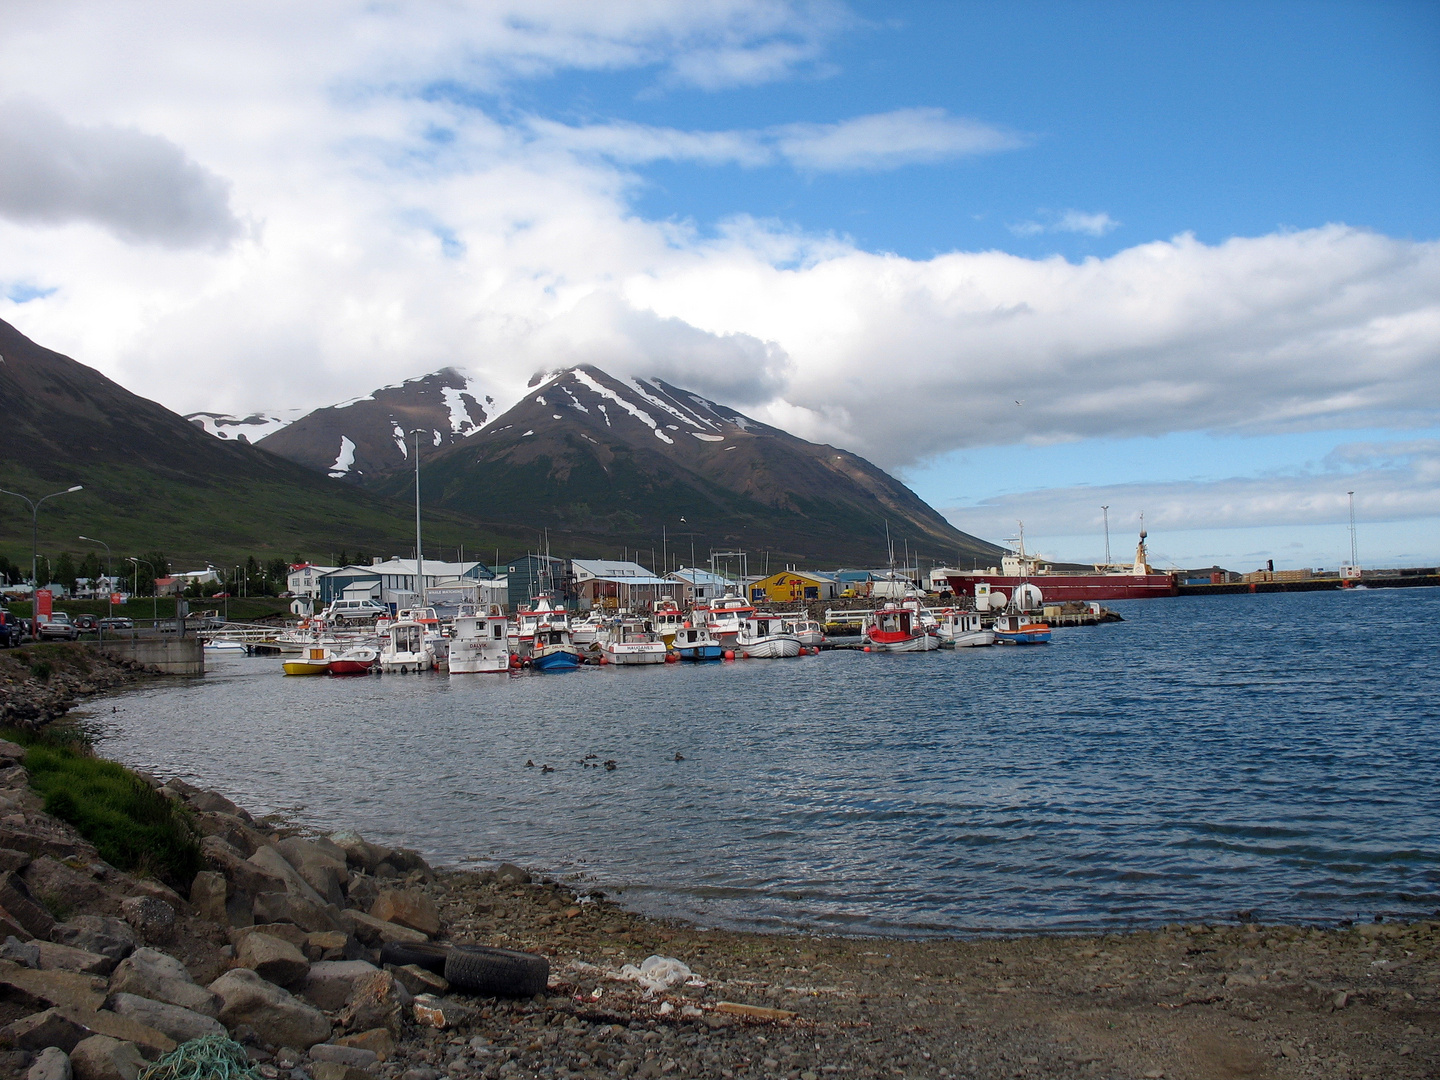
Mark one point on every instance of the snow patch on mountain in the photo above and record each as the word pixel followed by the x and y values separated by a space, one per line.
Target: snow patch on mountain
pixel 635 411
pixel 343 460
pixel 251 428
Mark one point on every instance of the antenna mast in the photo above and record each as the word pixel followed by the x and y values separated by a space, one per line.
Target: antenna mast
pixel 1354 558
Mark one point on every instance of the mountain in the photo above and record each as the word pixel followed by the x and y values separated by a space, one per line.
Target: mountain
pixel 364 436
pixel 587 454
pixel 153 480
pixel 251 428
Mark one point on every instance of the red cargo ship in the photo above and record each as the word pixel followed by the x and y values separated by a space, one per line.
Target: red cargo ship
pixel 1134 582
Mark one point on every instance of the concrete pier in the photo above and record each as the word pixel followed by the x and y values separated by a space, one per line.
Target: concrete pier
pixel 172 655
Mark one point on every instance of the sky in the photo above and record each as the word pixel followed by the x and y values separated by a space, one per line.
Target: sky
pixel 1034 258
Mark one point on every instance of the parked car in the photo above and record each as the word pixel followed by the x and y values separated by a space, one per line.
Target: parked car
pixel 86 623
pixel 117 622
pixel 12 630
pixel 58 625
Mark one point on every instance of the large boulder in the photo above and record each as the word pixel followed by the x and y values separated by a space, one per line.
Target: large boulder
pixel 280 907
pixel 59 885
pixel 97 934
pixel 102 1058
pixel 375 932
pixel 150 973
pixel 53 957
pixel 272 959
pixel 52 1063
pixel 22 907
pixel 39 1030
pixel 331 983
pixel 408 907
pixel 152 919
pixel 182 1025
pixel 207 895
pixel 276 1016
pixel 378 1002
pixel 319 865
pixel 243 876
pixel 214 802
pixel 271 862
pixel 51 987
pixel 232 830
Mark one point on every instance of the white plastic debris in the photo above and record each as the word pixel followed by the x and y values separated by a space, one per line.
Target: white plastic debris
pixel 656 973
pixel 666 1009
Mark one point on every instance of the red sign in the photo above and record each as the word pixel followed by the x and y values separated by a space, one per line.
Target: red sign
pixel 117 598
pixel 44 604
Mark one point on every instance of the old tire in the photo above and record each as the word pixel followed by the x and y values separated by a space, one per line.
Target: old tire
pixel 489 972
pixel 425 954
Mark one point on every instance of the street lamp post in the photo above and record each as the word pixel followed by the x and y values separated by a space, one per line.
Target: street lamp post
pixel 154 589
pixel 109 580
pixel 1107 536
pixel 34 527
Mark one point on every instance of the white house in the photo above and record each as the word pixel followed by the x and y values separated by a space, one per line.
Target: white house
pixel 304 578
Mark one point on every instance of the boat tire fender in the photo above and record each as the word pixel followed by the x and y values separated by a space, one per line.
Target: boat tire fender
pixel 491 972
pixel 425 954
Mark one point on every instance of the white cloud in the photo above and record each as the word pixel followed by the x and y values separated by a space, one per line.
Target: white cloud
pixel 1394 481
pixel 141 187
pixel 406 227
pixel 887 140
pixel 1072 221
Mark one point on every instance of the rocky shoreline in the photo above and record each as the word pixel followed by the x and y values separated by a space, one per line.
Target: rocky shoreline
pixel 282 943
pixel 42 682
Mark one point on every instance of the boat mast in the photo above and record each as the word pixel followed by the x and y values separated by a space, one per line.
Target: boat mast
pixel 419 551
pixel 1354 556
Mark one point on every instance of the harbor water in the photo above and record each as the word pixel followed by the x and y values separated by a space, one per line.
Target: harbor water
pixel 1277 755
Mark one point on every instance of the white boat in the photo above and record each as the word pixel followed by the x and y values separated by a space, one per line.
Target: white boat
pixel 726 618
pixel 961 629
pixel 632 642
pixel 897 628
pixel 763 636
pixel 220 645
pixel 406 649
pixel 666 619
pixel 590 630
pixel 522 631
pixel 479 644
pixel 808 632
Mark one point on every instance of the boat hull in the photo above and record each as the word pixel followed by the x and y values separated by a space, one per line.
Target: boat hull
pixel 909 643
pixel 777 647
pixel 971 639
pixel 558 659
pixel 701 652
pixel 650 652
pixel 1022 637
pixel 1058 588
pixel 351 667
pixel 306 667
pixel 407 663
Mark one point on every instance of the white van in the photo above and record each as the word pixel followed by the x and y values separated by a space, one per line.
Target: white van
pixel 364 610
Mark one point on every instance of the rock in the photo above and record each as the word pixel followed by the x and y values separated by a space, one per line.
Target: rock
pixel 332 1070
pixel 510 874
pixel 97 934
pixel 419 980
pixel 15 898
pixel 363 891
pixel 422 1074
pixel 214 802
pixel 122 1028
pixel 378 1001
pixel 325 941
pixel 153 974
pixel 358 852
pixel 11 927
pixel 242 876
pixel 233 830
pixel 55 957
pixel 10 859
pixel 331 983
pixel 160 891
pixel 408 860
pixel 61 886
pixel 207 895
pixel 271 862
pixel 373 931
pixel 437 1013
pixel 180 1024
pixel 39 1030
pixel 51 1064
pixel 24 953
pixel 102 1058
pixel 379 1041
pixel 276 1016
pixel 1340 1000
pixel 153 920
pixel 273 959
pixel 323 868
pixel 353 1056
pixel 11 751
pixel 408 907
pixel 277 907
pixel 53 987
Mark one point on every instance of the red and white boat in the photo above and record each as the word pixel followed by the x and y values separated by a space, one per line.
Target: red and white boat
pixel 899 628
pixel 726 618
pixel 1109 582
pixel 359 660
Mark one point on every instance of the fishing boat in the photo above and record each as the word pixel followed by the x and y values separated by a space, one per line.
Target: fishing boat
pixel 898 628
pixel 478 643
pixel 666 619
pixel 528 619
pixel 631 641
pixel 588 631
pixel 406 649
pixel 726 618
pixel 763 636
pixel 551 648
pixel 356 660
pixel 1015 629
pixel 693 641
pixel 314 661
pixel 808 632
pixel 961 629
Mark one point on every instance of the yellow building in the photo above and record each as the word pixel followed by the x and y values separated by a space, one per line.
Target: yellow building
pixel 793 585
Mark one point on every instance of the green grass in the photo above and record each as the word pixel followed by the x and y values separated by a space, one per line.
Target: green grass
pixel 134 828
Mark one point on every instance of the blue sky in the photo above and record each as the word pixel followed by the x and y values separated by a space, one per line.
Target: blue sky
pixel 1033 258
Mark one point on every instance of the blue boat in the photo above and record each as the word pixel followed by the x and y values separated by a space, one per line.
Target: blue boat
pixel 553 650
pixel 697 643
pixel 1018 630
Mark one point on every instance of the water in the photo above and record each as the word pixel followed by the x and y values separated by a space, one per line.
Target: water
pixel 1277 754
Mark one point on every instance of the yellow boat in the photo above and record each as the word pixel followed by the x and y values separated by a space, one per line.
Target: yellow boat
pixel 316 661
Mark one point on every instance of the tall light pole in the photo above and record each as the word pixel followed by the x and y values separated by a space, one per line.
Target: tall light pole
pixel 107 554
pixel 419 556
pixel 34 526
pixel 1107 534
pixel 1354 556
pixel 109 579
pixel 154 589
